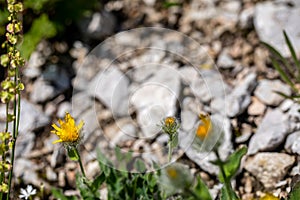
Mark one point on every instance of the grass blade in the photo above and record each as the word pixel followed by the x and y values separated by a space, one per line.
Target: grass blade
pixel 292 50
pixel 282 73
pixel 279 56
pixel 295 98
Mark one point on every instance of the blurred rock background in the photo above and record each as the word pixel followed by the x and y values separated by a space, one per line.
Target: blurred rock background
pixel 63 73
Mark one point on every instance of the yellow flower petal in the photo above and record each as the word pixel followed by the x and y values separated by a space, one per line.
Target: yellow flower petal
pixel 68 131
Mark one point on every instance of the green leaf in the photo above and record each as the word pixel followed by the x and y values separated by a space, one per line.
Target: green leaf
pixel 168 4
pixel 295 193
pixel 174 141
pixel 232 164
pixel 201 190
pixel 228 195
pixel 41 28
pixel 85 188
pixel 72 153
pixel 139 165
pixel 98 181
pixel 292 50
pixel 35 5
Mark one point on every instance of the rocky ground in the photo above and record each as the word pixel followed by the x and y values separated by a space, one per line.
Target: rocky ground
pixel 124 86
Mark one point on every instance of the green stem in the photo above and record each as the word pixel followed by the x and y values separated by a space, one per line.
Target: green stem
pixel 170 151
pixel 134 188
pixel 80 163
pixel 191 192
pixel 15 131
pixel 226 182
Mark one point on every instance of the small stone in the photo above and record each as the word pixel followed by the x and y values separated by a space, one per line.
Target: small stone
pixel 42 91
pixel 266 91
pixel 209 86
pixel 269 168
pixel 57 76
pixel 61 178
pixel 145 71
pixel 111 88
pixel 24 144
pixel 27 170
pixel 294 112
pixel 80 103
pixel 63 108
pixel 286 105
pixel 239 99
pixel 225 61
pixel 292 143
pixel 57 156
pixel 92 169
pixel 188 74
pixel 54 80
pixel 32 117
pixel 295 170
pixel 270 133
pixel 91 123
pixel 246 133
pixel 50 174
pixel 256 107
pixel 125 130
pixel 246 18
pixel 99 25
pixel 188 120
pixel 35 62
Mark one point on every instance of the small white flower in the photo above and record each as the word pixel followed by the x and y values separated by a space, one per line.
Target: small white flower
pixel 28 192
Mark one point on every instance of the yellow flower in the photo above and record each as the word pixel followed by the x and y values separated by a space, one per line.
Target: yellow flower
pixel 269 197
pixel 169 121
pixel 170 125
pixel 68 132
pixel 175 178
pixel 204 128
pixel 172 173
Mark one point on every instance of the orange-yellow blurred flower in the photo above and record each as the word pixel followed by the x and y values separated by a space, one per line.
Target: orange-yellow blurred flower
pixel 175 178
pixel 205 127
pixel 269 197
pixel 68 132
pixel 209 133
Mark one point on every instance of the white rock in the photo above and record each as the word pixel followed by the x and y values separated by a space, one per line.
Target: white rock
pixel 270 133
pixel 63 108
pixel 32 117
pixel 266 91
pixel 225 61
pixel 256 107
pixel 246 17
pixel 271 19
pixel 99 25
pixel 209 86
pixel 269 168
pixel 292 143
pixel 111 88
pixel 33 67
pixel 239 99
pixel 155 99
